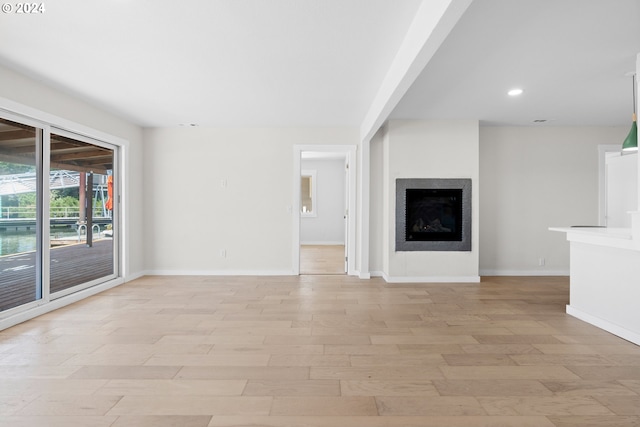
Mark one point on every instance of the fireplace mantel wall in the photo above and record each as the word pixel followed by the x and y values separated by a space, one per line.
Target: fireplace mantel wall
pixel 429 149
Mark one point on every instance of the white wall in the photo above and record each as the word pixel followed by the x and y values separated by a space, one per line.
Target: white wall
pixel 191 217
pixel 327 227
pixel 621 188
pixel 429 149
pixel 36 95
pixel 377 213
pixel 532 179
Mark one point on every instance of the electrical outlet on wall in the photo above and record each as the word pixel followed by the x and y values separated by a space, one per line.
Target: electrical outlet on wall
pixel 541 262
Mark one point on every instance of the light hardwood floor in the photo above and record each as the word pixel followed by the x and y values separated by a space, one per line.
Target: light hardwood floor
pixel 318 351
pixel 322 259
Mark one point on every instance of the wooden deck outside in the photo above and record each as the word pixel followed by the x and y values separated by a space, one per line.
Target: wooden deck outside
pixel 70 266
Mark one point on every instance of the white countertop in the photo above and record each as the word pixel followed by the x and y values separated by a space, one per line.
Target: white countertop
pixel 612 237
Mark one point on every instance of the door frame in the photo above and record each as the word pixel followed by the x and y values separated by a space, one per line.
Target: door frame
pixel 350 239
pixel 115 215
pixel 603 149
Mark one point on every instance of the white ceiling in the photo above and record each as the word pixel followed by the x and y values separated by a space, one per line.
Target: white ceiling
pixel 570 57
pixel 321 62
pixel 214 62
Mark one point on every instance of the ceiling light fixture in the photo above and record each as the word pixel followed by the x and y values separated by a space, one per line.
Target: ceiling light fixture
pixel 631 141
pixel 515 92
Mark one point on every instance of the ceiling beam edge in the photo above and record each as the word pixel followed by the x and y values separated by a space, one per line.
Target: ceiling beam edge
pixel 432 24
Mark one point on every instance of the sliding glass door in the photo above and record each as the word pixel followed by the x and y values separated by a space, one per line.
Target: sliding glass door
pixel 81 204
pixel 58 213
pixel 20 214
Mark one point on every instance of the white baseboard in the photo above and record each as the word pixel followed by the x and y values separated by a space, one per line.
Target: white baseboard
pixel 524 272
pixel 363 276
pixel 604 324
pixel 219 273
pixel 134 276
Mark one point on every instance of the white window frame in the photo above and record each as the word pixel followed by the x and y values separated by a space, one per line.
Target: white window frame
pixel 47 122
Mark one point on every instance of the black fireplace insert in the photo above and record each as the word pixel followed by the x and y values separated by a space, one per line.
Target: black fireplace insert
pixel 433 214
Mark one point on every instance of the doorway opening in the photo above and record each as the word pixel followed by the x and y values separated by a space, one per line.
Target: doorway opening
pixel 618 194
pixel 322 259
pixel 324 189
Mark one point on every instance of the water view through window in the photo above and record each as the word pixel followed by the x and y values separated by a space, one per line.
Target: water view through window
pixel 80 211
pixel 19 275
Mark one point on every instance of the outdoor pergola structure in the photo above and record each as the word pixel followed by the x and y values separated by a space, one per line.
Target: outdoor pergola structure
pixel 17 145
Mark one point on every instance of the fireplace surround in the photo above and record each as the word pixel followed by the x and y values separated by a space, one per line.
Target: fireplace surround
pixel 433 214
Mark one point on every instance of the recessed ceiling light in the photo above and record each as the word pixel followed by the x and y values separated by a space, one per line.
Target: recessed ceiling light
pixel 515 92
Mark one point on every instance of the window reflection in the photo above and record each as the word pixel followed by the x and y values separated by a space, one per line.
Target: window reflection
pixel 81 213
pixel 19 281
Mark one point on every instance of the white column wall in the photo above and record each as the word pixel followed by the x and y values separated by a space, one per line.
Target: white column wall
pixel 377 248
pixel 432 149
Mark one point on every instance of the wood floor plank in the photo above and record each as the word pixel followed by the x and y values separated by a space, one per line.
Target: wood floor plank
pixel 322 259
pixel 318 350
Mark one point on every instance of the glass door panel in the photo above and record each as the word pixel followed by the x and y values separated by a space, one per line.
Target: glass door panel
pixel 20 195
pixel 81 214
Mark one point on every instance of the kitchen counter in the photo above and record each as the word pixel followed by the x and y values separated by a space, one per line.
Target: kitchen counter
pixel 605 278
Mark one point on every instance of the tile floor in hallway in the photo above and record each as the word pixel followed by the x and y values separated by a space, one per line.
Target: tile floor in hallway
pixel 318 351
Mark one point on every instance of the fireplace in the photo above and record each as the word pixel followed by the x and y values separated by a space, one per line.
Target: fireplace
pixel 433 215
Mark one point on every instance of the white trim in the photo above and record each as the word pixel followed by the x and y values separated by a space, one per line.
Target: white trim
pixel 219 273
pixel 45 227
pixel 603 149
pixel 116 213
pixel 134 276
pixel 29 314
pixel 430 279
pixel 49 122
pixel 294 209
pixel 524 273
pixel 364 207
pixel 604 324
pixel 351 152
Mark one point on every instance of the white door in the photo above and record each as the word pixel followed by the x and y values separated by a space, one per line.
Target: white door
pixel 621 183
pixel 346 214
